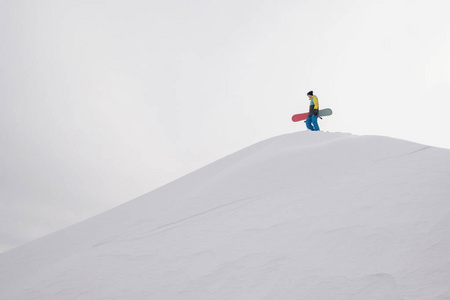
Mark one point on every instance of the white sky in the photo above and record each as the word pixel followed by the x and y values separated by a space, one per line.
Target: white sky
pixel 102 101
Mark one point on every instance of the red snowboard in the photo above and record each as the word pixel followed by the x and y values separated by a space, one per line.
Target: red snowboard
pixel 299 117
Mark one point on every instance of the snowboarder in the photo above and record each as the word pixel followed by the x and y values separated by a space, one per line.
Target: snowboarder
pixel 311 121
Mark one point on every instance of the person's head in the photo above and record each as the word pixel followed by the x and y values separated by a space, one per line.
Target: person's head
pixel 310 94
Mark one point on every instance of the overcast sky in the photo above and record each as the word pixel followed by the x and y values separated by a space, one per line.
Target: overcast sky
pixel 102 101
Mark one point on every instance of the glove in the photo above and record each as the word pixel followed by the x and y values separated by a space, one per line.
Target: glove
pixel 316 112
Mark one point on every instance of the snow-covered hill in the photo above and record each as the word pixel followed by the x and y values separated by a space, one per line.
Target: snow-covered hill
pixel 300 216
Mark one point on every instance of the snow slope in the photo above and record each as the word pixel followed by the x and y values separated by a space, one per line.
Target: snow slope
pixel 308 215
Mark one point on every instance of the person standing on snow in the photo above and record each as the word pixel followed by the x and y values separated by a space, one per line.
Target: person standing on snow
pixel 311 121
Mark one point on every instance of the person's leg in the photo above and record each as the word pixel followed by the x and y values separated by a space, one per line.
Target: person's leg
pixel 308 124
pixel 314 123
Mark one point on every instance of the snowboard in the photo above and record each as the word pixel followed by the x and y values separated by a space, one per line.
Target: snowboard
pixel 322 113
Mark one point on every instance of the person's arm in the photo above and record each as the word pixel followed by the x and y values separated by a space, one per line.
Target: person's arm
pixel 316 105
pixel 316 102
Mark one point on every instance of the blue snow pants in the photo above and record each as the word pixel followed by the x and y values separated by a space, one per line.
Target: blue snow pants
pixel 311 123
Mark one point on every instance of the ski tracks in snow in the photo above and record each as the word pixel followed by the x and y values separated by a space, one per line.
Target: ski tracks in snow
pixel 172 225
pixel 404 154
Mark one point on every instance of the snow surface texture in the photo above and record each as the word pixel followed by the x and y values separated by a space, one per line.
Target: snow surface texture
pixel 308 215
